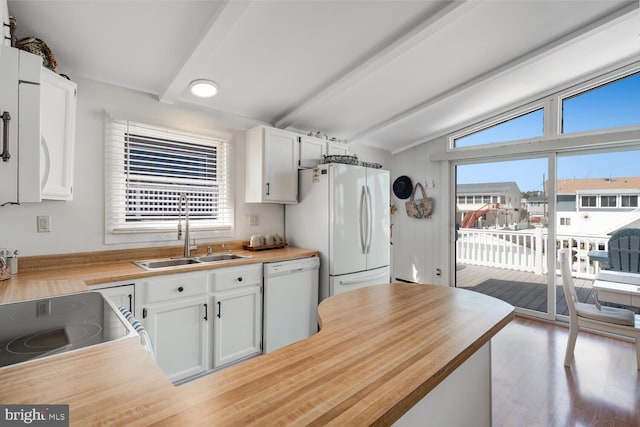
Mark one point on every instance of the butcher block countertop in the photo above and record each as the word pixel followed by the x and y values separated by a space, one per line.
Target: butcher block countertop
pixel 380 350
pixel 51 275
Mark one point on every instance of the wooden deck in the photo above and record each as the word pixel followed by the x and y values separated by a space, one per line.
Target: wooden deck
pixel 520 288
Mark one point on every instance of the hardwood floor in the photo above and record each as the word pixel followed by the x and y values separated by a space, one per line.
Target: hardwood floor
pixel 531 386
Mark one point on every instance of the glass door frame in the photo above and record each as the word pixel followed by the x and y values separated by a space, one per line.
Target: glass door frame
pixel 550 247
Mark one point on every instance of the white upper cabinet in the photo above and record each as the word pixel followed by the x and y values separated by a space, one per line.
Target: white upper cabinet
pixel 20 127
pixel 311 152
pixel 58 130
pixel 4 17
pixel 272 166
pixel 337 148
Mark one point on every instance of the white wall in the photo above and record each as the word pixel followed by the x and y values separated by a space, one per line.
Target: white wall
pixel 421 246
pixel 373 155
pixel 78 225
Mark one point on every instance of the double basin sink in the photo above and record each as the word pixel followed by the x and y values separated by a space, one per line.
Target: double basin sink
pixel 174 262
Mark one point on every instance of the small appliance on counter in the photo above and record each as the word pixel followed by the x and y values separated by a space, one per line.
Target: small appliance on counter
pixel 259 242
pixel 8 263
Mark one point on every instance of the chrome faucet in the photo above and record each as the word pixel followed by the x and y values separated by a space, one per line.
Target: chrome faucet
pixel 187 247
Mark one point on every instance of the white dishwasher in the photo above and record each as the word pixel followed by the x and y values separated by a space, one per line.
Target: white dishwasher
pixel 290 302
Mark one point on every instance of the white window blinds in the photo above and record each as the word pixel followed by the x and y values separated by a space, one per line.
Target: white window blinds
pixel 148 167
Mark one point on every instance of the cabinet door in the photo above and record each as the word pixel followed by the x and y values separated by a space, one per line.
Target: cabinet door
pixel 280 166
pixel 179 332
pixel 58 121
pixel 311 152
pixel 337 149
pixel 237 325
pixel 4 18
pixel 122 296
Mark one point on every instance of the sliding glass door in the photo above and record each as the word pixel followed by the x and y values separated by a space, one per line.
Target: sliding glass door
pixel 502 232
pixel 598 193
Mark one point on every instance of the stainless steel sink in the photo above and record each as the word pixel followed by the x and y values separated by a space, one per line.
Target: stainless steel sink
pixel 162 263
pixel 175 262
pixel 220 257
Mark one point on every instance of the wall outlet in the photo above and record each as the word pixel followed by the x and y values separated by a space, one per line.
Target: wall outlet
pixel 44 224
pixel 44 308
pixel 252 219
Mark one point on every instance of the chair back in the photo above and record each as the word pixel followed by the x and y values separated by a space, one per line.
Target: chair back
pixel 567 282
pixel 624 250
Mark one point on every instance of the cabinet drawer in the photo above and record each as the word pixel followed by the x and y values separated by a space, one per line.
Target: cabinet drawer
pixel 236 277
pixel 174 286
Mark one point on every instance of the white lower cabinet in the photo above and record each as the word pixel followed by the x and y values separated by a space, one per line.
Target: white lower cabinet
pixel 237 325
pixel 175 311
pixel 202 320
pixel 121 294
pixel 179 332
pixel 237 301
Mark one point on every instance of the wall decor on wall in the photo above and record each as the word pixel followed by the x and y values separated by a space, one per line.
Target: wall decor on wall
pixel 402 187
pixel 419 208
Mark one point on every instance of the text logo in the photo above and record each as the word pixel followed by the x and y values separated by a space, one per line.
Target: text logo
pixel 34 415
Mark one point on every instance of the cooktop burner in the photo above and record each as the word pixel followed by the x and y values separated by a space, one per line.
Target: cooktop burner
pixel 55 339
pixel 39 328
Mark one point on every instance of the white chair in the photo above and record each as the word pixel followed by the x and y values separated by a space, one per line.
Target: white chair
pixel 592 316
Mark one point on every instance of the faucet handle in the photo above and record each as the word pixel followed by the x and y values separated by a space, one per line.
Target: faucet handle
pixel 193 247
pixel 209 250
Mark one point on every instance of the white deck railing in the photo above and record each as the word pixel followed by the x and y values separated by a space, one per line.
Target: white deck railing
pixel 525 250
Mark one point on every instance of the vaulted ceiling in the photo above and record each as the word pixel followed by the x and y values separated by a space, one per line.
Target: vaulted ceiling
pixel 388 74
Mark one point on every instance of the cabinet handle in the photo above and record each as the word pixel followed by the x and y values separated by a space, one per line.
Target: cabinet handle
pixel 267 188
pixel 219 309
pixel 131 303
pixel 240 279
pixel 180 289
pixel 206 310
pixel 144 313
pixel 6 117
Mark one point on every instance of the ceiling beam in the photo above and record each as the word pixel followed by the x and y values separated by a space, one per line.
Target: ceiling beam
pixel 395 48
pixel 219 26
pixel 521 61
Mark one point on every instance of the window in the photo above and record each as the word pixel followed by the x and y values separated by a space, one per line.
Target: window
pixel 526 126
pixel 565 221
pixel 486 199
pixel 611 105
pixel 588 201
pixel 149 167
pixel 461 199
pixel 629 201
pixel 608 201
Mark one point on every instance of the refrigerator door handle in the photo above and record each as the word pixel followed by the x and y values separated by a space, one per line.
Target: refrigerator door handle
pixel 369 219
pixel 363 237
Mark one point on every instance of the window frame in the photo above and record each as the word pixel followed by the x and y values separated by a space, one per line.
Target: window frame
pixel 117 229
pixel 595 198
pixel 622 196
pixel 584 87
pixel 608 197
pixel 495 121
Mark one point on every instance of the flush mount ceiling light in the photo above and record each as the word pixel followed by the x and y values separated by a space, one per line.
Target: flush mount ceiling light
pixel 203 88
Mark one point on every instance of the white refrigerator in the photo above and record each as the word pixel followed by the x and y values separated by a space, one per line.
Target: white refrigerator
pixel 343 211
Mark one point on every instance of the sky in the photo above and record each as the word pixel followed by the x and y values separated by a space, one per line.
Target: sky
pixel 613 105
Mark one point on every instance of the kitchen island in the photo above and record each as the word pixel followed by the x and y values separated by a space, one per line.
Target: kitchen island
pixel 382 352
